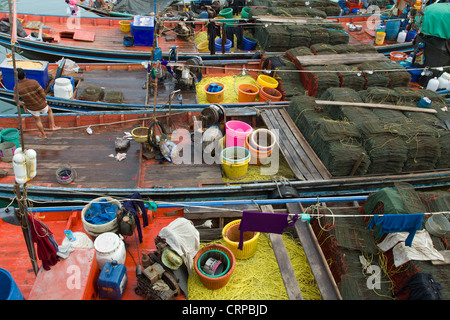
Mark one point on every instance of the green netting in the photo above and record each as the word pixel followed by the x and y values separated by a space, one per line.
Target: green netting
pixel 114 97
pixel 299 36
pixel 399 77
pixel 322 48
pixel 344 48
pixel 349 76
pixel 92 93
pixel 391 200
pixel 379 95
pixel 338 37
pixel 373 77
pixel 318 82
pixel 365 48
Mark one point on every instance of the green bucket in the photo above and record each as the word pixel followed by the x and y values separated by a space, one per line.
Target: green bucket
pixel 226 13
pixel 10 135
pixel 245 11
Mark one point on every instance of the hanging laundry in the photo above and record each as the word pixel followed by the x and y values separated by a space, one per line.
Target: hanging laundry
pixel 213 31
pixel 398 223
pixel 45 243
pixel 264 222
pixel 238 31
pixel 131 206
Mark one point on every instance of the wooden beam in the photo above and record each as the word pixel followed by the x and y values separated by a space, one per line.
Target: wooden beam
pixel 375 105
pixel 284 263
pixel 322 274
pixel 348 58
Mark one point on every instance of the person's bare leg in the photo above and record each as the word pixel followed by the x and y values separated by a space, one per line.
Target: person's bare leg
pixel 52 120
pixel 40 127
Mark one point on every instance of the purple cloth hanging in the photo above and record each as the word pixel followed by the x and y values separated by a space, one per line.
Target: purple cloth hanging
pixel 264 222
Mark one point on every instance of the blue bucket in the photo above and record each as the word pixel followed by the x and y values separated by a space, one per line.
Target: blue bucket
pixel 218 43
pixel 8 287
pixel 392 29
pixel 128 41
pixel 411 35
pixel 415 73
pixel 249 45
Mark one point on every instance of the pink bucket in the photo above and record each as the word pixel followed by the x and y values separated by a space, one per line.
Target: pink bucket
pixel 236 132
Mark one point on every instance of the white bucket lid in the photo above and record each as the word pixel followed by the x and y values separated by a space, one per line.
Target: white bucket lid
pixel 62 81
pixel 106 242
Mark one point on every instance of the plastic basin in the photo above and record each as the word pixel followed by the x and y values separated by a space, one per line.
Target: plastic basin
pixel 267 81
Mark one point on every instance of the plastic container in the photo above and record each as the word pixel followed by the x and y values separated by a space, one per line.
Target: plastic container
pixel 244 13
pixel 142 29
pixel 109 247
pixel 415 73
pixel 236 132
pixel 267 93
pixel 379 39
pixel 63 88
pixel 40 73
pixel 438 225
pixel 96 230
pixel 257 157
pixel 140 134
pixel 249 44
pixel 203 46
pixel 401 37
pixel 247 92
pixel 227 13
pixel 433 84
pixel 392 29
pixel 213 263
pixel 411 35
pixel 353 5
pixel 424 102
pixel 125 25
pixel 10 135
pixel 214 283
pixel 214 97
pixel 266 81
pixel 8 287
pixel 444 81
pixel 235 162
pixel 128 41
pixel 231 234
pixel 20 166
pixel 218 44
pixel 398 56
pixel 262 139
pixel 112 281
pixel 7 151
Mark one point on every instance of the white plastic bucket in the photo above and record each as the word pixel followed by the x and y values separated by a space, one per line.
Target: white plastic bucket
pixel 437 225
pixel 109 247
pixel 63 88
pixel 96 229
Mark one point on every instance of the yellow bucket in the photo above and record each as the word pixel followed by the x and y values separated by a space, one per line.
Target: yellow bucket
pixel 230 234
pixel 140 134
pixel 125 25
pixel 235 162
pixel 203 46
pixel 379 40
pixel 266 81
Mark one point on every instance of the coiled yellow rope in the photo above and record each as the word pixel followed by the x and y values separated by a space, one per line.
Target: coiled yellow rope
pixel 259 278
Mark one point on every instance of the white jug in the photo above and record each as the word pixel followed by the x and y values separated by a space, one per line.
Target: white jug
pixel 433 84
pixel 402 36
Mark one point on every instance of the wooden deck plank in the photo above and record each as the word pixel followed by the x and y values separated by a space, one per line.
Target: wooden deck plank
pixel 322 274
pixel 348 58
pixel 303 157
pixel 271 124
pixel 306 147
pixel 284 263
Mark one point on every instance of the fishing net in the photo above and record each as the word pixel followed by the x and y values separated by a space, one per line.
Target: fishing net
pixel 300 37
pixel 273 37
pixel 333 10
pixel 113 97
pixel 322 48
pixel 306 114
pixel 261 275
pixel 379 95
pixel 344 48
pixel 318 34
pixel 399 76
pixel 316 83
pixel 373 77
pixel 349 76
pixel 338 37
pixel 365 48
pixel 92 93
pixel 444 141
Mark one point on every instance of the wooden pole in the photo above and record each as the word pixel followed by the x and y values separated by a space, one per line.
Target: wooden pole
pixel 375 105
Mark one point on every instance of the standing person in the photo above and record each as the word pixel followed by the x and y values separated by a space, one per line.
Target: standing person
pixel 34 101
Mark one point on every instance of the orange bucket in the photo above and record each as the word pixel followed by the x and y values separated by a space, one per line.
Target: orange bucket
pixel 247 92
pixel 214 97
pixel 271 94
pixel 398 56
pixel 257 157
pixel 214 283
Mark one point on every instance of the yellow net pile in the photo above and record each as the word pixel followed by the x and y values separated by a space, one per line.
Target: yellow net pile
pixel 231 87
pixel 259 278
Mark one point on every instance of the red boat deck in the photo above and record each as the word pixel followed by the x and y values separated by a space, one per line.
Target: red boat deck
pixel 14 255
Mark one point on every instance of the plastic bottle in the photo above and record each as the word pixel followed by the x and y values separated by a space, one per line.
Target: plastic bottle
pixel 30 158
pixel 433 84
pixel 402 36
pixel 20 166
pixel 444 81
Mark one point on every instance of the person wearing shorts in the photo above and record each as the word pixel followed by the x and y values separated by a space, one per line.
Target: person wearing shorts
pixel 34 101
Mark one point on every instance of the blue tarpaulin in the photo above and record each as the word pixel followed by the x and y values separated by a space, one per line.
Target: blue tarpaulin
pixel 101 212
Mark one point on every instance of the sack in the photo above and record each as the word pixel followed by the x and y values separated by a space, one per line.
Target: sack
pixel 423 287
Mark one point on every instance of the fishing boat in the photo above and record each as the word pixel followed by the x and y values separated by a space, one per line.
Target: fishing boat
pixel 105 13
pixel 339 259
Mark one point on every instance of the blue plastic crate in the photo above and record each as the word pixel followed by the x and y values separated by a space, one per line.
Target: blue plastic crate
pixel 40 74
pixel 142 28
pixel 112 281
